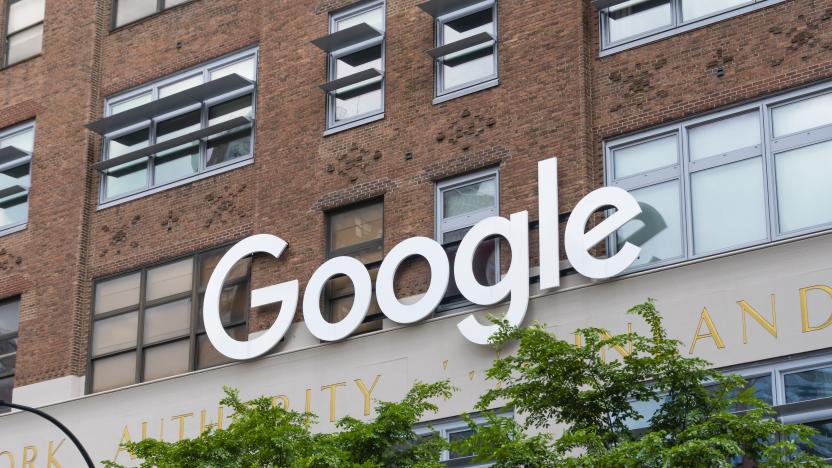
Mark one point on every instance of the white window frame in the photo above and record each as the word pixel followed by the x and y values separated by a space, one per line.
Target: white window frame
pixel 467 220
pixel 441 93
pixel 23 160
pixel 684 168
pixel 153 89
pixel 7 38
pixel 333 126
pixel 445 427
pixel 677 26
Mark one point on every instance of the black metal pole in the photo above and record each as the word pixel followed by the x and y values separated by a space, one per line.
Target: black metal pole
pixel 56 423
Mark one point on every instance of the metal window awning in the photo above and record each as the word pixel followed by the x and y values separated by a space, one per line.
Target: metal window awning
pixel 347 37
pixel 340 83
pixel 601 4
pixel 13 190
pixel 195 95
pixel 172 143
pixel 10 153
pixel 437 8
pixel 791 409
pixel 461 44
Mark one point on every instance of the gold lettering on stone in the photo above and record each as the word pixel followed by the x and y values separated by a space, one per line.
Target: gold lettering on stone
pixel 125 437
pixel 181 419
pixel 28 462
pixel 746 309
pixel 367 394
pixel 51 460
pixel 804 308
pixel 283 399
pixel 332 389
pixel 605 335
pixel 705 318
pixel 9 456
pixel 203 416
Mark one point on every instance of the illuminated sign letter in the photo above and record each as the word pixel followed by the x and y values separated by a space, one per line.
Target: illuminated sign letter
pixel 285 293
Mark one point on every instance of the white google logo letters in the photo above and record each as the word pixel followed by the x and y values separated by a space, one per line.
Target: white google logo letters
pixel 515 283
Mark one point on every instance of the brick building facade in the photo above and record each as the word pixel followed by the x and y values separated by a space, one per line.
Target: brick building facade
pixel 561 92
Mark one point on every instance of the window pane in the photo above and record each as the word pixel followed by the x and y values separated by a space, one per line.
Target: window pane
pixel 469 198
pixel 8 355
pixel 24 140
pixel 802 182
pixel 808 385
pixel 127 178
pixel 167 321
pixel 658 229
pixel 130 103
pixel 244 68
pixel 14 209
pixel 694 9
pixel 646 156
pixel 363 97
pixel 170 279
pixel 822 441
pixel 130 10
pixel 455 458
pixel 114 334
pixel 181 85
pixel 229 147
pixel 729 206
pixel 25 44
pixel 233 305
pixel 6 387
pixel 114 372
pixel 18 175
pixel 237 107
pixel 474 63
pixel 177 126
pixel 25 13
pixel 176 163
pixel 9 317
pixel 170 3
pixel 207 356
pixel 802 115
pixel 166 360
pixel 128 143
pixel 117 293
pixel 209 261
pixel 724 136
pixel 637 17
pixel 374 18
pixel 355 226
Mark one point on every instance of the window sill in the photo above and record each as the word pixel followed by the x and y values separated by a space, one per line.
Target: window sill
pixel 178 183
pixel 28 59
pixel 614 49
pixel 466 91
pixel 354 124
pixel 13 229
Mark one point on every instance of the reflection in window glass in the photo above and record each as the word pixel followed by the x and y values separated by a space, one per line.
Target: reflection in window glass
pixel 127 178
pixel 244 68
pixel 176 163
pixel 356 226
pixel 128 11
pixel 729 206
pixel 644 157
pixel 475 63
pixel 24 30
pixel 695 9
pixel 469 198
pixel 822 441
pixel 636 17
pixel 802 115
pixel 802 182
pixel 25 13
pixel 658 229
pixel 808 385
pixel 22 140
pixel 724 136
pixel 25 44
pixel 208 356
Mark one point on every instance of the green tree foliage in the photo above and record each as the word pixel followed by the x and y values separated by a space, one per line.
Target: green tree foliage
pixel 591 397
pixel 262 434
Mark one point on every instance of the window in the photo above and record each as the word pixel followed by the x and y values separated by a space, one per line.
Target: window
pixel 356 232
pixel 148 324
pixel 178 129
pixel 9 323
pixel 744 177
pixel 460 204
pixel 16 146
pixel 24 30
pixel 466 46
pixel 455 430
pixel 355 47
pixel 628 23
pixel 128 11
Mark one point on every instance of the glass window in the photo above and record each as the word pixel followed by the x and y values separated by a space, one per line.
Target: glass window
pixel 454 430
pixel 9 324
pixel 191 157
pixel 24 30
pixel 808 385
pixel 473 65
pixel 148 324
pixel 128 11
pixel 739 184
pixel 366 98
pixel 822 441
pixel 15 176
pixel 636 17
pixel 695 9
pixel 359 233
pixel 802 182
pixel 461 203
